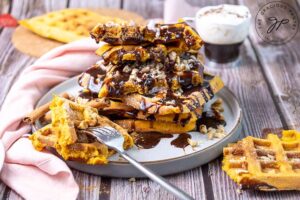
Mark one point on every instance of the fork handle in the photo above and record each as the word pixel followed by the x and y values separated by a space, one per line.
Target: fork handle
pixel 158 179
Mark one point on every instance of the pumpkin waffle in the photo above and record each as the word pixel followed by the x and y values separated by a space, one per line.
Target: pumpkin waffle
pixel 125 53
pixel 66 133
pixel 137 53
pixel 162 104
pixel 141 126
pixel 265 164
pixel 175 73
pixel 182 118
pixel 66 25
pixel 143 122
pixel 185 102
pixel 179 35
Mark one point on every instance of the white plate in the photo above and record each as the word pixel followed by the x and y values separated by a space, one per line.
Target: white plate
pixel 163 158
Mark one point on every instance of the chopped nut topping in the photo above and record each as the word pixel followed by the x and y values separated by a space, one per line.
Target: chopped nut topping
pixel 133 76
pixel 221 129
pixel 295 160
pixel 212 130
pixel 203 129
pixel 171 102
pixel 242 171
pixel 145 69
pixel 193 143
pixel 268 157
pixel 218 105
pixel 126 69
pixel 172 56
pixel 132 179
pixel 216 133
pixel 210 135
pixel 83 125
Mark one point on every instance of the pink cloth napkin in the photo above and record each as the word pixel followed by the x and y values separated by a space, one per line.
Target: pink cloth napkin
pixel 34 174
pixel 175 10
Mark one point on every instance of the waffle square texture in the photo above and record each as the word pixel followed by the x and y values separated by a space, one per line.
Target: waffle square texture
pixel 265 164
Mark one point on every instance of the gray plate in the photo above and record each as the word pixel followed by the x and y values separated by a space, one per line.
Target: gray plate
pixel 164 158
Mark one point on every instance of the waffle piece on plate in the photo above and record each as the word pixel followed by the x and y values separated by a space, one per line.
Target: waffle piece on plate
pixel 265 164
pixel 66 133
pixel 179 35
pixel 66 25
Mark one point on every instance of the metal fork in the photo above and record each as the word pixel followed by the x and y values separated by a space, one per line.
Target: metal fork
pixel 113 139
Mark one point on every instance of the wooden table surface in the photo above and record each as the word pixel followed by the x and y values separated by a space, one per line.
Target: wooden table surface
pixel 266 80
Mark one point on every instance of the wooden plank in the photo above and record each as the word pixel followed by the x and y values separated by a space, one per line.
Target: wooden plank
pixel 246 80
pixel 4 8
pixel 259 110
pixel 281 67
pixel 10 67
pixel 190 181
pixel 147 9
pixel 210 3
pixel 52 5
pixel 25 9
pixel 95 4
pixel 89 185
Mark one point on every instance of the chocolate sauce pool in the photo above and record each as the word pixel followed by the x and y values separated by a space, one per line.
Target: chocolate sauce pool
pixel 150 139
pixel 181 141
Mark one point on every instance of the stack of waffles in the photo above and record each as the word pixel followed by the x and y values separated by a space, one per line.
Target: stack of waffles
pixel 147 80
pixel 265 164
pixel 152 75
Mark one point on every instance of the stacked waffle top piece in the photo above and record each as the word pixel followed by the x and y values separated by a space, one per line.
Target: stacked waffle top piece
pixel 153 74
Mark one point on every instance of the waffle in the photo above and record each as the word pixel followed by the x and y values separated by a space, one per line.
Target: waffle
pixel 265 164
pixel 184 103
pixel 66 133
pixel 141 126
pixel 125 53
pixel 175 73
pixel 179 35
pixel 182 118
pixel 66 25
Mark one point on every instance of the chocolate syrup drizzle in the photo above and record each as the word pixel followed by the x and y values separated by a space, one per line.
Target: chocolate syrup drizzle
pixel 94 84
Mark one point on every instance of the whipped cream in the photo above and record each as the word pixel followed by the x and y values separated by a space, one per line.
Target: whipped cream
pixel 223 24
